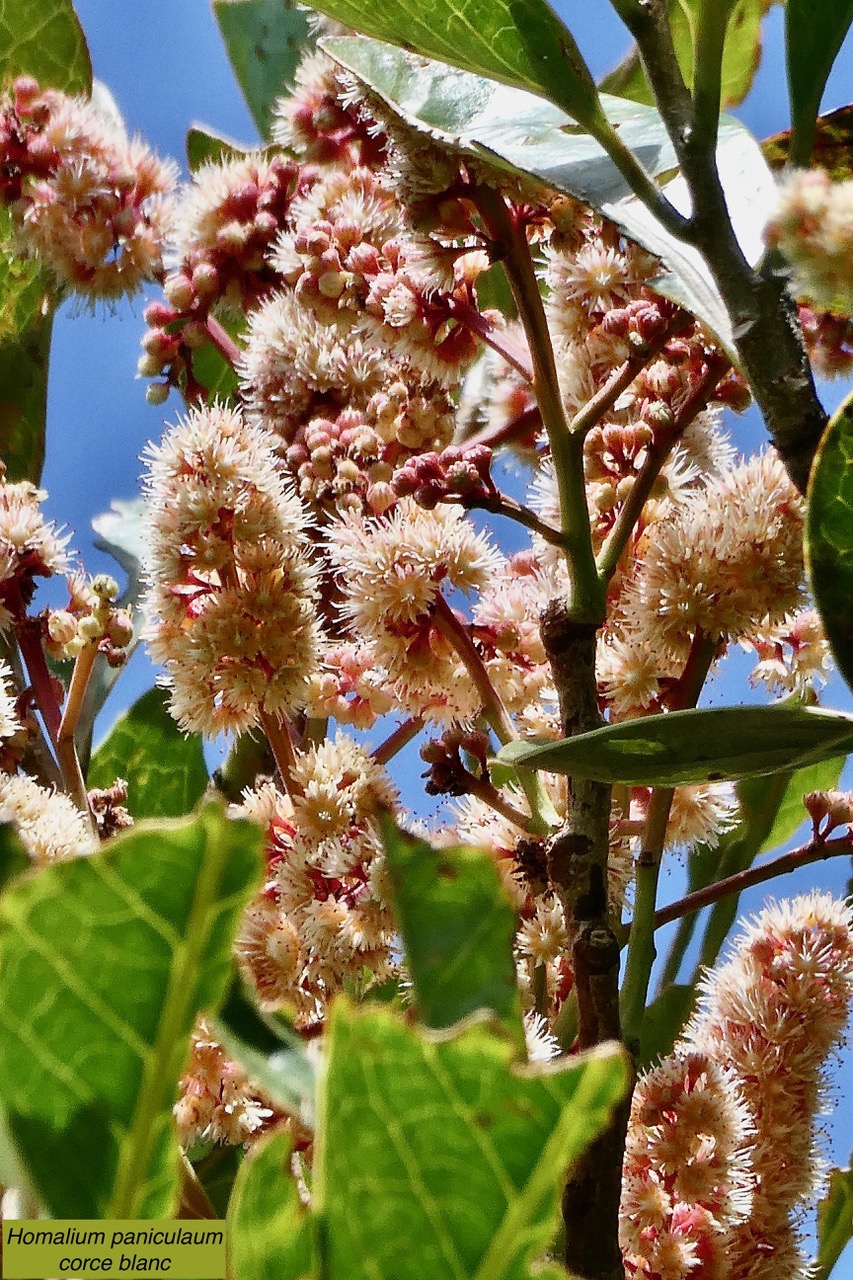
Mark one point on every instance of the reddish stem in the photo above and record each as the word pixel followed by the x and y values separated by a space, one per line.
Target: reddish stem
pixel 814 851
pixel 222 340
pixel 498 339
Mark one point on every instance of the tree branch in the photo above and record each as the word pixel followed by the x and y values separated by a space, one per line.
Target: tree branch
pixel 814 851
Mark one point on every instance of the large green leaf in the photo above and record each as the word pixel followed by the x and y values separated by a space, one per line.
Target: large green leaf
pixel 504 125
pixel 829 535
pixel 269 1229
pixel 741 54
pixel 523 135
pixel 709 745
pixel 105 962
pixel 43 38
pixel 264 39
pixel 458 928
pixel 163 767
pixel 26 315
pixel 813 40
pixel 518 42
pixel 444 1143
pixel 834 1222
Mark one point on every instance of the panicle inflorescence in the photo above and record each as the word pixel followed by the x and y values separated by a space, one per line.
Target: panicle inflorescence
pixel 232 592
pixel 322 916
pixel 86 200
pixel 721 1154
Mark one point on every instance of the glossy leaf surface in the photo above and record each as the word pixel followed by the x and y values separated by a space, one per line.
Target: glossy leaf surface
pixel 693 746
pixel 518 42
pixel 264 39
pixel 164 769
pixel 813 39
pixel 519 133
pixel 829 535
pixel 105 962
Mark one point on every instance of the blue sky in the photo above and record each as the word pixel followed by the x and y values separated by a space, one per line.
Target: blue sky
pixel 166 66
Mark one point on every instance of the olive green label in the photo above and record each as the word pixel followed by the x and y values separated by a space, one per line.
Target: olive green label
pixel 182 1250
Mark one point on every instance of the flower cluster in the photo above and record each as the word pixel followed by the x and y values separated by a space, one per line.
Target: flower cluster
pixel 322 915
pixel 813 227
pixel 722 1143
pixel 232 591
pixel 87 201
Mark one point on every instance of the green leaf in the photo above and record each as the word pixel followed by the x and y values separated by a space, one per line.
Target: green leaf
pixel 264 39
pixel 105 963
pixel 458 928
pixel 215 373
pixel 205 145
pixel 518 42
pixel 164 769
pixel 812 42
pixel 26 317
pixel 217 1173
pixel 443 1143
pixel 693 746
pixel 504 125
pixel 829 535
pixel 760 801
pixel 119 532
pixel 663 1022
pixel 832 149
pixel 741 54
pixel 791 813
pixel 269 1229
pixel 516 132
pixel 13 856
pixel 270 1052
pixel 43 38
pixel 834 1222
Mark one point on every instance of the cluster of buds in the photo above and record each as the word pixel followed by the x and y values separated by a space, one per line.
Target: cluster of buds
pixel 349 688
pixel 829 810
pixel 319 126
pixel 459 474
pixel 322 917
pixel 448 774
pixel 351 257
pixel 225 225
pixel 91 618
pixel 345 460
pixel 86 201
